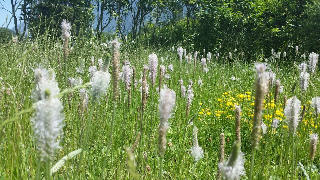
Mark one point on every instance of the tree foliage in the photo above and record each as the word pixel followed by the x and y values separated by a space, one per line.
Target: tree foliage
pixel 46 16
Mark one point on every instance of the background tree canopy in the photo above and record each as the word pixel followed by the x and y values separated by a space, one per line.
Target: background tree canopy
pixel 242 25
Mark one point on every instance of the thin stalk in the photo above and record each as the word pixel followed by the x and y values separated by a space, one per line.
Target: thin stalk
pixel 47 170
pixel 85 138
pixel 38 169
pixel 161 166
pixel 293 169
pixel 110 142
pixel 252 163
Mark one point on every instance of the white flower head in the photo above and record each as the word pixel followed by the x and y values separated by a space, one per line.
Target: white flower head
pixel 314 137
pixel 303 67
pixel 304 77
pixel 44 79
pixel 203 61
pixel 275 123
pixel 100 83
pixel 313 61
pixel 272 78
pixel 315 103
pixel 65 29
pixel 48 126
pixel 180 52
pixel 170 67
pixel 209 55
pixel 262 76
pixel 166 102
pixel 234 167
pixel 292 113
pixel 200 81
pixel 196 150
pixel 264 128
pixel 153 67
pixel 92 70
pixel 126 75
pixel 190 95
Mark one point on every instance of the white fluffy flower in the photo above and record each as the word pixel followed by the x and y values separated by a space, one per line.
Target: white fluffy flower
pixel 292 113
pixel 153 67
pixel 100 83
pixel 303 67
pixel 44 79
pixel 166 102
pixel 203 61
pixel 264 128
pixel 196 150
pixel 315 103
pixel 170 67
pixel 92 70
pixel 234 167
pixel 190 95
pixel 314 137
pixel 65 29
pixel 209 55
pixel 180 53
pixel 48 125
pixel 262 76
pixel 304 77
pixel 126 75
pixel 313 61
pixel 200 82
pixel 272 78
pixel 275 123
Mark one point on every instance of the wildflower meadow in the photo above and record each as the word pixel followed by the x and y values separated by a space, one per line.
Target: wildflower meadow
pixel 78 108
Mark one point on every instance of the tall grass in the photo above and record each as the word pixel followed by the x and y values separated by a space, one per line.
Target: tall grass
pixel 229 82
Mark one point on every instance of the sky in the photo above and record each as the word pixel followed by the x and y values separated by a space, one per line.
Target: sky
pixel 4 14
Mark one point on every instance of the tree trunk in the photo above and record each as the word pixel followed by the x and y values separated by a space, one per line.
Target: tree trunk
pixel 13 5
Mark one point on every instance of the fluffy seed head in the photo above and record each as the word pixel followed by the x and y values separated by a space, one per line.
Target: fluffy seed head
pixel 126 76
pixel 196 150
pixel 313 145
pixel 315 103
pixel 291 112
pixel 48 126
pixel 65 29
pixel 100 83
pixel 180 53
pixel 153 67
pixel 303 67
pixel 209 55
pixel 44 79
pixel 275 123
pixel 261 83
pixel 304 77
pixel 234 167
pixel 313 61
pixel 166 104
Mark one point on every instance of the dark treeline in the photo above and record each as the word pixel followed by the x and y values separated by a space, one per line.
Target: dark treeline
pixel 243 25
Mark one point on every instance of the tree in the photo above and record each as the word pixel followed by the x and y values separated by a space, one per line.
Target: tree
pixel 46 16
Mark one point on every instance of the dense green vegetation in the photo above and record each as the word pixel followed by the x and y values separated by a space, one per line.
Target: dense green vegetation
pixel 110 125
pixel 246 25
pixel 107 104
